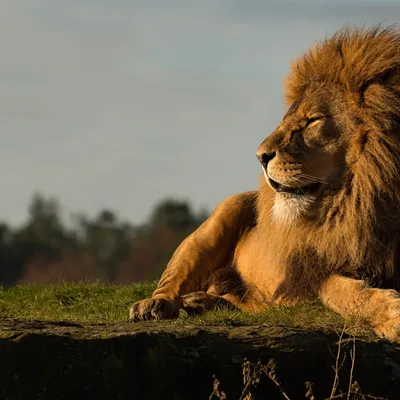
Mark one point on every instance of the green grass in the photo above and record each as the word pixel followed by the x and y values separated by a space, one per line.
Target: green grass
pixel 310 315
pixel 101 303
pixel 81 302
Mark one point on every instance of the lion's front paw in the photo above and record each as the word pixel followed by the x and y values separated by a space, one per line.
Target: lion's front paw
pixel 386 321
pixel 153 309
pixel 197 302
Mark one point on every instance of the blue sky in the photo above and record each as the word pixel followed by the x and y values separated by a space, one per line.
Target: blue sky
pixel 120 103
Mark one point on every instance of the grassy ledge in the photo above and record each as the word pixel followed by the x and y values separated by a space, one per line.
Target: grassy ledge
pixel 74 341
pixel 101 303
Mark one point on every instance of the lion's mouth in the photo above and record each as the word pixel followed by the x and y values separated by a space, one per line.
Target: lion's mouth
pixel 296 190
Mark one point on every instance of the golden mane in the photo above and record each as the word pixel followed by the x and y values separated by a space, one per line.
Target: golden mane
pixel 358 230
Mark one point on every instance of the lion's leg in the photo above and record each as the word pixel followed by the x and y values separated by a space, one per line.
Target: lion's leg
pixel 198 302
pixel 228 290
pixel 379 307
pixel 210 247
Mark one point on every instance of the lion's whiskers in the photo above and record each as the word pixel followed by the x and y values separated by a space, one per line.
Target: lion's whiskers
pixel 309 179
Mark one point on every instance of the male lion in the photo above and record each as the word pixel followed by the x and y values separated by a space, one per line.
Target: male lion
pixel 326 219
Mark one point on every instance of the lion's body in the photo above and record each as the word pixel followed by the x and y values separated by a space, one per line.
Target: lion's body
pixel 326 219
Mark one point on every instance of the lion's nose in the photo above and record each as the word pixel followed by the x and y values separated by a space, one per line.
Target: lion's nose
pixel 265 158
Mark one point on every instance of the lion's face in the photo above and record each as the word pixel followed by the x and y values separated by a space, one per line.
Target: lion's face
pixel 304 156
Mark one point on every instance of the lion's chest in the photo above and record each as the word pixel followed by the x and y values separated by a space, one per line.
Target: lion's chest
pixel 257 265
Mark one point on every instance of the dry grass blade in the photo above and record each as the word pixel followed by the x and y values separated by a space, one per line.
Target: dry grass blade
pixel 217 392
pixel 309 394
pixel 353 357
pixel 270 371
pixel 337 366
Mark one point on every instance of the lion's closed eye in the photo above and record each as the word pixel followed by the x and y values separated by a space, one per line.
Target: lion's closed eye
pixel 313 120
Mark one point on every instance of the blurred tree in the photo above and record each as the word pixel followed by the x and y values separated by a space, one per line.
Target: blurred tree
pixel 44 226
pixel 174 214
pixel 44 250
pixel 106 241
pixel 6 235
pixel 170 222
pixel 8 270
pixel 41 239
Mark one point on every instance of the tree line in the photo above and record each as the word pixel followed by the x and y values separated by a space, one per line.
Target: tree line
pixel 44 249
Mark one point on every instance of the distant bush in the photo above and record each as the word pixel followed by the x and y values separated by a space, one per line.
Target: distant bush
pixel 104 248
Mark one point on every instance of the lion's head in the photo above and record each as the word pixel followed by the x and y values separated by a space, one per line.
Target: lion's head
pixel 345 106
pixel 304 158
pixel 332 167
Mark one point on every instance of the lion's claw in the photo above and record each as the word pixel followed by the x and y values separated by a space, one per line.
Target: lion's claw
pixel 159 308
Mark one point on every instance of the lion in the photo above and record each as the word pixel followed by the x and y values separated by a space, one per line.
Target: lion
pixel 325 220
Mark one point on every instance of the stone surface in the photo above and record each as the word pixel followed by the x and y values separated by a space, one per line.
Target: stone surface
pixel 170 360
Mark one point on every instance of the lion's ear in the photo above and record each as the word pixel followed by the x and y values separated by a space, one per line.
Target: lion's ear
pixel 389 78
pixel 382 92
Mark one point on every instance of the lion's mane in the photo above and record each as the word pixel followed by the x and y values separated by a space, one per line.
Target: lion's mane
pixel 358 229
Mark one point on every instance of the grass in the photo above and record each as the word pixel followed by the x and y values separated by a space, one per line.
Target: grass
pixel 78 302
pixel 101 303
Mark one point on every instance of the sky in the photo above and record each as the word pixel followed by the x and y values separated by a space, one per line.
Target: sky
pixel 120 103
